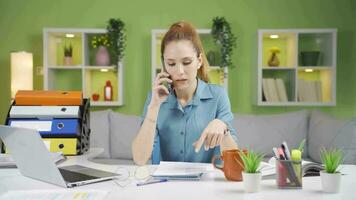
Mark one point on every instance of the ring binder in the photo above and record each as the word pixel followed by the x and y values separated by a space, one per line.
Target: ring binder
pixel 67 128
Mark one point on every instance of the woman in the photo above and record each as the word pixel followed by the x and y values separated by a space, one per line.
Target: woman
pixel 179 119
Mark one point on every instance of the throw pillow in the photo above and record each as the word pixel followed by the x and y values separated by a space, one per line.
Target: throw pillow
pixel 263 132
pixel 123 129
pixel 99 136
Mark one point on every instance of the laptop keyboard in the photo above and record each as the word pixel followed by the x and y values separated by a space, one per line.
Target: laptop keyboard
pixel 72 177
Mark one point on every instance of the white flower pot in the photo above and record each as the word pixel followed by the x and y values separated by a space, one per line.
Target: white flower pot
pixel 252 181
pixel 330 182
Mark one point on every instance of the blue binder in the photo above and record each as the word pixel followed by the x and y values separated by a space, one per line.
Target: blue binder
pixel 50 128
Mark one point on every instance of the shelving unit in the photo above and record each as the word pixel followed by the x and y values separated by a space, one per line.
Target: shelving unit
pixel 306 73
pixel 217 74
pixel 83 74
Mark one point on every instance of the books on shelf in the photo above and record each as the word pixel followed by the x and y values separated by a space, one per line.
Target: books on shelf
pixel 274 90
pixel 281 89
pixel 309 91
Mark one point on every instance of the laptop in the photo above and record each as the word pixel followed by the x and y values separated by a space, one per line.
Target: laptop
pixel 34 160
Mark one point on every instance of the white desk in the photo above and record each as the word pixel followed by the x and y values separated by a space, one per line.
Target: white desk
pixel 212 186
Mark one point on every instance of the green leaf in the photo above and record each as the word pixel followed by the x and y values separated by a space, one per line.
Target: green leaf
pixel 331 159
pixel 223 36
pixel 251 161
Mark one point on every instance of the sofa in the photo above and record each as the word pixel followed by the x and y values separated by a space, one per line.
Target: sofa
pixel 114 132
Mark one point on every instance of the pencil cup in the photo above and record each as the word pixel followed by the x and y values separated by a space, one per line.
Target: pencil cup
pixel 289 174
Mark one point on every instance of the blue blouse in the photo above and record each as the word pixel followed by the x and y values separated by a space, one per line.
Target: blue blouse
pixel 179 127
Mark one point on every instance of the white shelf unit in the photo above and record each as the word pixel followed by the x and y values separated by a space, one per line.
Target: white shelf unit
pixel 83 74
pixel 309 80
pixel 214 71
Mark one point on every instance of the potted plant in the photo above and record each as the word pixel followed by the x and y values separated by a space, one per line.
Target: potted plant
pixel 68 53
pixel 331 177
pixel 251 175
pixel 223 36
pixel 116 33
pixel 101 42
pixel 310 58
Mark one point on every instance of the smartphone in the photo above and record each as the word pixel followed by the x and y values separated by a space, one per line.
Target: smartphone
pixel 169 86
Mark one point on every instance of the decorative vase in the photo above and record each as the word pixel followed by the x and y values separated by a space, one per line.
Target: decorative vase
pixel 273 61
pixel 330 182
pixel 310 58
pixel 67 61
pixel 252 181
pixel 102 57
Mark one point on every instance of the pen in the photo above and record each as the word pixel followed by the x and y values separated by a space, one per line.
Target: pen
pixel 275 151
pixel 286 150
pixel 151 182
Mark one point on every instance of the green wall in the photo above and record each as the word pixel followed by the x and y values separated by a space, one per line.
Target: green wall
pixel 22 21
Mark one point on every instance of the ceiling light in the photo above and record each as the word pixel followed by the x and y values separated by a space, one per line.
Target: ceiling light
pixel 70 35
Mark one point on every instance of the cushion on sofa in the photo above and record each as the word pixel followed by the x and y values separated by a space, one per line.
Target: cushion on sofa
pixel 100 133
pixel 263 132
pixel 123 130
pixel 329 132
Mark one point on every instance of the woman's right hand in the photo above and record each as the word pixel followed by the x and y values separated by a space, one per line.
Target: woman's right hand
pixel 159 91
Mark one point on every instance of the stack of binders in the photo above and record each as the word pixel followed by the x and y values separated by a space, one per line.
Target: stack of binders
pixel 62 118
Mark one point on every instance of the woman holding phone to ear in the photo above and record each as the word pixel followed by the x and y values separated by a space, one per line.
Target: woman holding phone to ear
pixel 191 113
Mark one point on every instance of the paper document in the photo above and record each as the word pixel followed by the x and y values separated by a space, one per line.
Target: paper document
pixel 55 195
pixel 267 169
pixel 182 170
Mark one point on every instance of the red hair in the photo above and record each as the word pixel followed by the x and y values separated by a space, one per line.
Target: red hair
pixel 186 31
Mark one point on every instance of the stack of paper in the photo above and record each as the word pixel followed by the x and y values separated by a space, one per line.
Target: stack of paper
pixel 181 170
pixel 267 169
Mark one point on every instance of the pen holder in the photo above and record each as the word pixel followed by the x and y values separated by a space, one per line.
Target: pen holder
pixel 289 174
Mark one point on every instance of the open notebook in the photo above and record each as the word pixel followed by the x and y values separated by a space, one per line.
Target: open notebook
pixel 308 168
pixel 181 170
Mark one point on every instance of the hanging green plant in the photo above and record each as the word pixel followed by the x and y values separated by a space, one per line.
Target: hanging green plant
pixel 116 32
pixel 221 32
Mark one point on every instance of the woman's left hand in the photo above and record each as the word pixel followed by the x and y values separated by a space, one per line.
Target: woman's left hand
pixel 211 136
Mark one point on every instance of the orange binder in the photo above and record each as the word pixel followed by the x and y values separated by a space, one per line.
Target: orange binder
pixel 48 98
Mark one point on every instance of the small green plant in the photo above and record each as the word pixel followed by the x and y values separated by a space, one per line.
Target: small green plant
pixel 301 145
pixel 331 159
pixel 251 161
pixel 101 40
pixel 68 51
